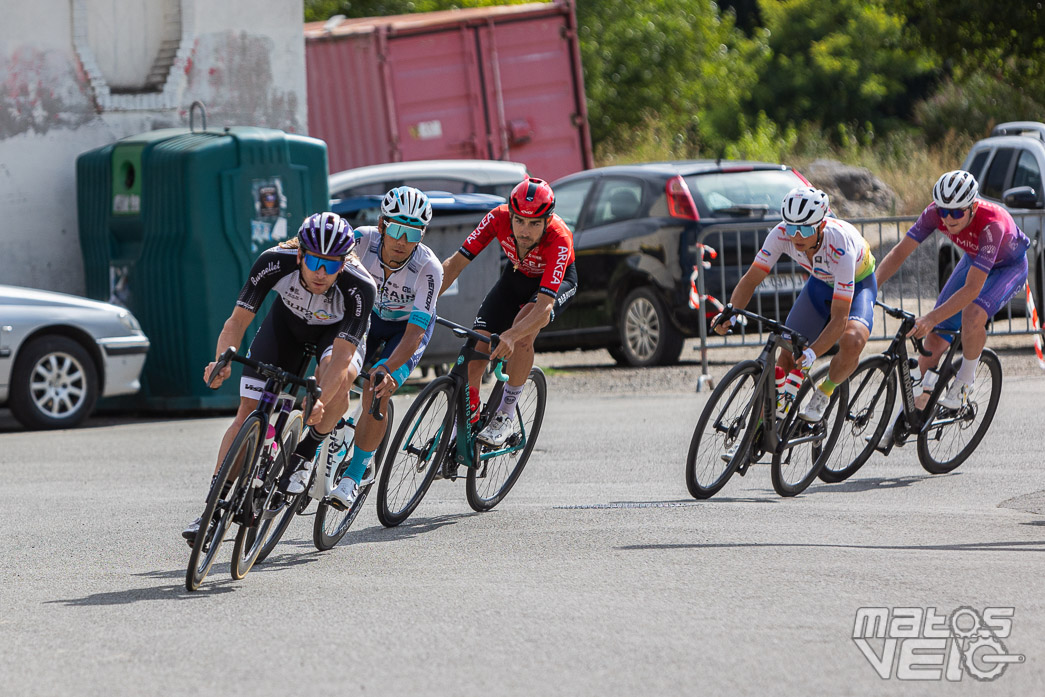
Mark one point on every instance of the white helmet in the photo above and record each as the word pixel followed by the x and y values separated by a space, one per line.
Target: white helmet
pixel 804 205
pixel 408 206
pixel 955 189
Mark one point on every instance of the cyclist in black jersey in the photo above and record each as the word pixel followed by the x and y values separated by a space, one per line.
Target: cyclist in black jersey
pixel 325 298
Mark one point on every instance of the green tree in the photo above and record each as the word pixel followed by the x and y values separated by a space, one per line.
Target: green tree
pixel 848 64
pixel 683 66
pixel 321 10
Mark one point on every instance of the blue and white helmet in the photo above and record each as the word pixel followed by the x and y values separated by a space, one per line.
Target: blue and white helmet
pixel 408 206
pixel 326 233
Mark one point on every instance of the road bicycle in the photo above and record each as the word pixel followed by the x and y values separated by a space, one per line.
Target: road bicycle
pixel 332 522
pixel 946 437
pixel 739 425
pixel 437 437
pixel 244 491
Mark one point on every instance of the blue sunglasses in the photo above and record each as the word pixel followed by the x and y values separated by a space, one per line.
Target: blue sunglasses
pixel 803 230
pixel 331 266
pixel 951 212
pixel 397 230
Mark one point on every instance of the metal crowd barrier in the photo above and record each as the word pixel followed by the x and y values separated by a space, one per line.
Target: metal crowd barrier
pixel 727 251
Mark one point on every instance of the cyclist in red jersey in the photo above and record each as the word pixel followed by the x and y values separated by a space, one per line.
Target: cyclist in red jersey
pixel 534 288
pixel 993 270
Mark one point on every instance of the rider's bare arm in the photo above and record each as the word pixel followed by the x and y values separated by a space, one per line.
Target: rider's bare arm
pixel 745 289
pixel 452 268
pixel 231 335
pixel 894 258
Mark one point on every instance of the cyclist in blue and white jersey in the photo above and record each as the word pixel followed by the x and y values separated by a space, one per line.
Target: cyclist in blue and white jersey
pixel 408 276
pixel 325 297
pixel 837 302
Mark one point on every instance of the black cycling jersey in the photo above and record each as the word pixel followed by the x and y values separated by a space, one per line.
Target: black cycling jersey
pixel 346 304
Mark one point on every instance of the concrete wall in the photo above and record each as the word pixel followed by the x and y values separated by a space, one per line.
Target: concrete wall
pixel 72 78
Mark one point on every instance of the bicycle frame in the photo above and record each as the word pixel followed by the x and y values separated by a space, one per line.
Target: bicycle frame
pixel 914 419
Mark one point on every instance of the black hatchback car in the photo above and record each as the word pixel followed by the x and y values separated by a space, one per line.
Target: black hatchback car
pixel 636 229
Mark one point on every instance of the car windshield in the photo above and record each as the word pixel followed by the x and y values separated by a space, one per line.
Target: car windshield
pixel 742 193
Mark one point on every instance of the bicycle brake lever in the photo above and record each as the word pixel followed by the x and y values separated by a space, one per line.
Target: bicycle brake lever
pixel 313 392
pixel 920 347
pixel 376 401
pixel 223 360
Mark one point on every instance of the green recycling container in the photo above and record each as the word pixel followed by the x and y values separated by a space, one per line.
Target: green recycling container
pixel 171 222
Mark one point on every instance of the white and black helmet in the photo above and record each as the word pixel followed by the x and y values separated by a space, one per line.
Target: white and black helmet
pixel 955 189
pixel 408 206
pixel 804 205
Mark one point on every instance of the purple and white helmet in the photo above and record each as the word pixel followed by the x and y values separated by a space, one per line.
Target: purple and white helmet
pixel 326 233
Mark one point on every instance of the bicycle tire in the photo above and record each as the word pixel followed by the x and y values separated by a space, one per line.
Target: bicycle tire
pixel 249 538
pixel 416 451
pixel 291 435
pixel 872 394
pixel 243 449
pixel 789 473
pixel 489 481
pixel 332 524
pixel 966 414
pixel 734 426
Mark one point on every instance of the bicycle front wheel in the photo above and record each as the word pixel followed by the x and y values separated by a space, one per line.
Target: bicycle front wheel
pixel 872 393
pixel 951 435
pixel 415 452
pixel 497 468
pixel 806 446
pixel 331 523
pixel 272 530
pixel 218 513
pixel 721 439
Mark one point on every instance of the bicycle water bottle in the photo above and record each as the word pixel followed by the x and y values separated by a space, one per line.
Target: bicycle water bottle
pixel 781 401
pixel 791 385
pixel 916 377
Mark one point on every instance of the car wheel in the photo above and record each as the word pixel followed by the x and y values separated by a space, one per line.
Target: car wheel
pixel 54 384
pixel 647 335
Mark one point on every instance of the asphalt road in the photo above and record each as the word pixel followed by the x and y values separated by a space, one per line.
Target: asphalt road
pixel 597 575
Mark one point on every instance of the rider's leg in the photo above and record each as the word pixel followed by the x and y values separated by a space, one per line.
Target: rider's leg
pixel 852 343
pixel 246 406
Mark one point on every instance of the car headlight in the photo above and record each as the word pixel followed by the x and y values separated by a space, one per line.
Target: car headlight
pixel 130 321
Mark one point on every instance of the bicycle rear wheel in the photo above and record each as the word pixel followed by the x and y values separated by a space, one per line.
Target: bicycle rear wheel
pixel 721 439
pixel 218 513
pixel 806 446
pixel 415 452
pixel 331 524
pixel 952 435
pixel 872 394
pixel 273 529
pixel 497 468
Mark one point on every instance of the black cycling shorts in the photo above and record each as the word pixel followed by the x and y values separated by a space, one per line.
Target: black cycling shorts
pixel 281 342
pixel 512 291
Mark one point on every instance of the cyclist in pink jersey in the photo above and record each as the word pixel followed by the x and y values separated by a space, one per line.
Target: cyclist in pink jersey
pixel 992 271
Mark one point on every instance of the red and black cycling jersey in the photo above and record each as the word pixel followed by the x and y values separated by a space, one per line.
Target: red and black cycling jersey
pixel 347 303
pixel 547 261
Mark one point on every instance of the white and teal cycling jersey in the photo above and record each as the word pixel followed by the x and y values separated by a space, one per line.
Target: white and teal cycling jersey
pixel 407 294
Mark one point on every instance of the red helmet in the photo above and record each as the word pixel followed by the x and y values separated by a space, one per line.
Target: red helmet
pixel 532 198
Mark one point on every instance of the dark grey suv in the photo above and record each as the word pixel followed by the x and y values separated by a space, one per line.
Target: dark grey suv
pixel 635 232
pixel 1010 168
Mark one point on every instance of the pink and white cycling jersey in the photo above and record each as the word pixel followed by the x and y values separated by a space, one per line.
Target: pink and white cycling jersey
pixel 843 259
pixel 991 237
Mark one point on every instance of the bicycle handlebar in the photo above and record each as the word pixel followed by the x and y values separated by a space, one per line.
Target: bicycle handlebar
pixel 798 342
pixel 312 390
pixel 907 321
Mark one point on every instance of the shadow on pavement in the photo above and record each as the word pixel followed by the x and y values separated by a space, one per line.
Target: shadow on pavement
pixel 1015 546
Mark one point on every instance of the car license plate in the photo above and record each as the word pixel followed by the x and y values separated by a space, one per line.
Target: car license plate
pixel 784 282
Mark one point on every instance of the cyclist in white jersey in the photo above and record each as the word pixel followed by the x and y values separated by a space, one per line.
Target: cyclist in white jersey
pixel 837 302
pixel 408 276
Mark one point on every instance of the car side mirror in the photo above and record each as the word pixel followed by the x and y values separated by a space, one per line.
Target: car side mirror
pixel 1021 197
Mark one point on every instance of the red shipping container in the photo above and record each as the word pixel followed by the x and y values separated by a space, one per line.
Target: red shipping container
pixel 491 83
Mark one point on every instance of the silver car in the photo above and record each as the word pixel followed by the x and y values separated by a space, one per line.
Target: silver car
pixel 59 353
